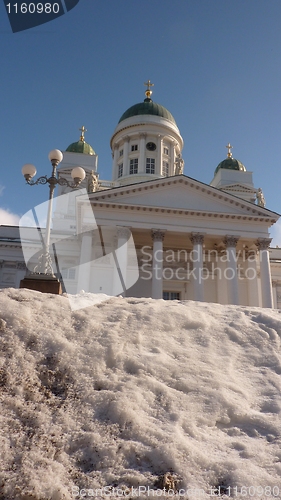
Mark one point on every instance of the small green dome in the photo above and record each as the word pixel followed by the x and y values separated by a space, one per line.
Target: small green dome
pixel 81 147
pixel 148 107
pixel 231 164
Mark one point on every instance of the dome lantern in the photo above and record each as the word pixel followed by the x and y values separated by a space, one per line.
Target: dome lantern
pixel 81 146
pixel 230 163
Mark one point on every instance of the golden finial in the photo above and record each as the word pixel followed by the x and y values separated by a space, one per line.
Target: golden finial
pixel 229 147
pixel 148 92
pixel 83 130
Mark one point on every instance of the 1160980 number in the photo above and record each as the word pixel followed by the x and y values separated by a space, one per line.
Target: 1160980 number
pixel 33 8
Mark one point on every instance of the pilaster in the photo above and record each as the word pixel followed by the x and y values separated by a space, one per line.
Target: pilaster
pixel 173 158
pixel 142 162
pixel 114 166
pixel 84 270
pixel 126 156
pixel 159 155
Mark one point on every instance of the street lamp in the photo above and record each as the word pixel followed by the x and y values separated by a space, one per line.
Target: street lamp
pixel 44 268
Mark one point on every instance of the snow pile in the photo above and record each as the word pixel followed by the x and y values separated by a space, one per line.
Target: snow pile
pixel 116 395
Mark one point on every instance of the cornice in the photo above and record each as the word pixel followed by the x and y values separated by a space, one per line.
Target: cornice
pixel 8 244
pixel 183 212
pixel 37 243
pixel 254 210
pixel 275 263
pixel 122 130
pixel 134 125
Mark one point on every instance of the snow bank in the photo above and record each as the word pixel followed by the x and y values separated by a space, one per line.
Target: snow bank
pixel 120 393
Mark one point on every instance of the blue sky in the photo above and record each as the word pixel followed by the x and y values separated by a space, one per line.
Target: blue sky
pixel 216 66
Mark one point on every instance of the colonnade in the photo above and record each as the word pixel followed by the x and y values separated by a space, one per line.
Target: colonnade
pixel 226 269
pixel 227 279
pixel 141 154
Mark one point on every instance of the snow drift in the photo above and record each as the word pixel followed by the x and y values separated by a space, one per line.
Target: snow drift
pixel 119 394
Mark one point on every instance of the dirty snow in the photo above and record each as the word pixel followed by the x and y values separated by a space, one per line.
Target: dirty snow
pixel 118 394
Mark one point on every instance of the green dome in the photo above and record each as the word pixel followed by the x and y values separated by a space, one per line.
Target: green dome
pixel 148 107
pixel 231 164
pixel 81 147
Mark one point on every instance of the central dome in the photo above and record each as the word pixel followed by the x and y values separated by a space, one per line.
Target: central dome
pixel 148 107
pixel 146 143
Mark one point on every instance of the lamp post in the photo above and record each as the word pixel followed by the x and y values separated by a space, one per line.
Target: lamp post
pixel 44 270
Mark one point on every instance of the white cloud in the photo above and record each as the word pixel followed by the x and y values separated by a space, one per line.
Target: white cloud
pixel 275 233
pixel 8 218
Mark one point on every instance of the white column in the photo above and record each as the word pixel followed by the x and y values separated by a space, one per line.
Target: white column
pixel 121 261
pixel 231 269
pixel 251 274
pixel 220 267
pixel 159 166
pixel 157 263
pixel 266 287
pixel 84 271
pixel 274 291
pixel 126 156
pixel 142 163
pixel 197 239
pixel 114 166
pixel 173 158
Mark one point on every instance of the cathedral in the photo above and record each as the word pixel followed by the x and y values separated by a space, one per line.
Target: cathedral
pixel 182 239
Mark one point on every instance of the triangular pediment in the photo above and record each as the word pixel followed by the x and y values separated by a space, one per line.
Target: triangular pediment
pixel 181 193
pixel 241 188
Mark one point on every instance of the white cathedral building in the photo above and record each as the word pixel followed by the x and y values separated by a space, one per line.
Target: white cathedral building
pixel 189 240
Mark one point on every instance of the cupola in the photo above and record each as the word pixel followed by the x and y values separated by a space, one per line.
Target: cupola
pixel 230 163
pixel 146 143
pixel 231 176
pixel 81 146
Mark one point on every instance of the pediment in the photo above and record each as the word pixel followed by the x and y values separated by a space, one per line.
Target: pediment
pixel 241 188
pixel 181 193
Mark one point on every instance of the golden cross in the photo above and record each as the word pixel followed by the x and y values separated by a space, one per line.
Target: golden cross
pixel 148 84
pixel 83 130
pixel 148 92
pixel 229 147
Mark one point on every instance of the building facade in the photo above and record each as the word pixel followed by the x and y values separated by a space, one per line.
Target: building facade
pixel 186 239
